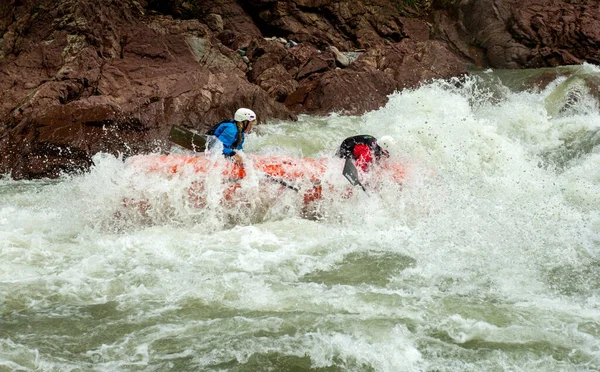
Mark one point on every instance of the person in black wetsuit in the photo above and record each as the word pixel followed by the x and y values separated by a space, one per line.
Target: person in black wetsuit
pixel 364 149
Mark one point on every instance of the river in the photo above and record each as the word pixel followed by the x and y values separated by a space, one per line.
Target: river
pixel 487 258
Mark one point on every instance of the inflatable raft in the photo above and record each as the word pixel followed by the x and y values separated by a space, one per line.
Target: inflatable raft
pixel 306 176
pixel 285 168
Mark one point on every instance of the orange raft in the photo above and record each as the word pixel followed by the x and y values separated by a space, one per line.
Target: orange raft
pixel 293 173
pixel 281 167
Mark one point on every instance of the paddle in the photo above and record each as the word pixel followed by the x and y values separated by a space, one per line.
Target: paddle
pixel 351 174
pixel 197 142
pixel 187 139
pixel 281 182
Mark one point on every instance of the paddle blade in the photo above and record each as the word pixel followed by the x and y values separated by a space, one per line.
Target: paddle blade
pixel 351 174
pixel 187 139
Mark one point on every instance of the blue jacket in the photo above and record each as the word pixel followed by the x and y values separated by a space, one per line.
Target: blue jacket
pixel 227 133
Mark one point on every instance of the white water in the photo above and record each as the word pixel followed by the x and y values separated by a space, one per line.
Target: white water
pixel 488 258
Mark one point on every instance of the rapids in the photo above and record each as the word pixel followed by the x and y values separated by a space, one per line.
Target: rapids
pixel 486 259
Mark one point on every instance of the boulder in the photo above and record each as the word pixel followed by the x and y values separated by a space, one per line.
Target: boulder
pixel 523 34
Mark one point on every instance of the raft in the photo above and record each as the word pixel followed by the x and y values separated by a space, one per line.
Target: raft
pixel 279 167
pixel 285 168
pixel 307 176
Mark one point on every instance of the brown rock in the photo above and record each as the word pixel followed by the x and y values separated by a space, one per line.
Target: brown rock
pixel 366 84
pixel 318 63
pixel 101 76
pixel 516 34
pixel 277 82
pixel 78 76
pixel 345 91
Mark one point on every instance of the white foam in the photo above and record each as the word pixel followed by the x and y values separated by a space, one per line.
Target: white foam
pixel 480 227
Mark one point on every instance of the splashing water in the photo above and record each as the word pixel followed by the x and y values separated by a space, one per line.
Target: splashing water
pixel 486 258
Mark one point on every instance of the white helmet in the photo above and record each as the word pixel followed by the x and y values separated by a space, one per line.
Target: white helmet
pixel 244 114
pixel 386 142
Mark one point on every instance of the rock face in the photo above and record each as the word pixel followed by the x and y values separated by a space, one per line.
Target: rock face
pixel 78 76
pixel 522 33
pixel 90 76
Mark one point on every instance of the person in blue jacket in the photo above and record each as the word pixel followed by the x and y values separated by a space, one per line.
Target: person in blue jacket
pixel 231 133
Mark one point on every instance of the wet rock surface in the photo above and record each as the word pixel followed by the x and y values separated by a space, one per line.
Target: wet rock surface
pixel 80 77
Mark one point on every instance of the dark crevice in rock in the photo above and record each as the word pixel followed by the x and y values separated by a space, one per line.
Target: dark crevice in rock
pixel 264 26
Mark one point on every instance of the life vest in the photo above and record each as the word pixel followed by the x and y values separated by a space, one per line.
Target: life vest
pixel 346 149
pixel 211 132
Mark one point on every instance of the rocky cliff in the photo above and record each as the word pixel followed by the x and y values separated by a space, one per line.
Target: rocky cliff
pixel 81 76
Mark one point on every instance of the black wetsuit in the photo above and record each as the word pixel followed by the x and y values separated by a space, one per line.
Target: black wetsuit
pixel 346 149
